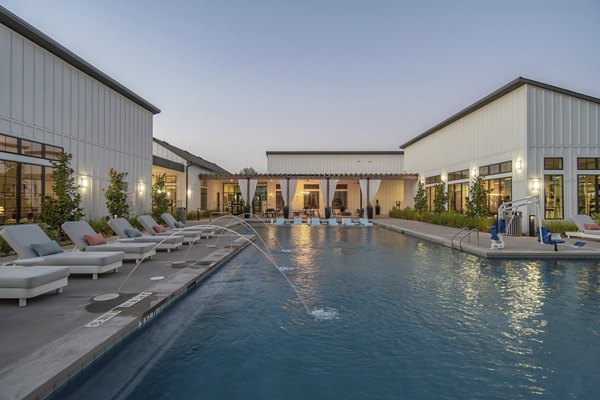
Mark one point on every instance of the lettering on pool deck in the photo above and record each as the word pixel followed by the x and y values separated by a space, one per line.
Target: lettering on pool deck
pixel 135 299
pixel 105 317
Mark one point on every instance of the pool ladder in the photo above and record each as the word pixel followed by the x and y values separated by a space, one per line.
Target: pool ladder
pixel 466 233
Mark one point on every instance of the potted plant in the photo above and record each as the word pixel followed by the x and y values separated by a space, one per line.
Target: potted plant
pixel 286 211
pixel 377 207
pixel 327 211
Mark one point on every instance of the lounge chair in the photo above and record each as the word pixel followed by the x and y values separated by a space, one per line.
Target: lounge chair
pixel 348 221
pixel 177 226
pixel 35 248
pixel 128 233
pixel 298 221
pixel 155 229
pixel 315 221
pixel 364 222
pixel 26 282
pixel 550 238
pixel 280 221
pixel 86 239
pixel 588 229
pixel 332 221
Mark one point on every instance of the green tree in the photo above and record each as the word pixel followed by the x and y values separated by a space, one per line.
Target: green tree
pixel 440 197
pixel 248 171
pixel 420 198
pixel 65 203
pixel 116 198
pixel 477 204
pixel 160 204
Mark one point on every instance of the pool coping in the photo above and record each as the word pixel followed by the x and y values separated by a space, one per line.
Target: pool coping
pixel 46 370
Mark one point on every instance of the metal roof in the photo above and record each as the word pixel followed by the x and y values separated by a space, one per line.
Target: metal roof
pixel 515 84
pixel 394 152
pixel 41 39
pixel 186 155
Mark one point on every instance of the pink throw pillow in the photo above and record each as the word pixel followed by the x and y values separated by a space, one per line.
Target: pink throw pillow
pixel 159 228
pixel 591 227
pixel 93 240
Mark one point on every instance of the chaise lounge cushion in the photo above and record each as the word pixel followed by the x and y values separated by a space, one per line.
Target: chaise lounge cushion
pixel 46 248
pixel 30 277
pixel 133 232
pixel 74 258
pixel 95 239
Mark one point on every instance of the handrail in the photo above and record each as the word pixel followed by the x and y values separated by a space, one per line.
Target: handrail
pixel 455 235
pixel 468 235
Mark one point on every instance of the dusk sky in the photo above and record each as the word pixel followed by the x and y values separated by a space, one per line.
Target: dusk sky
pixel 237 78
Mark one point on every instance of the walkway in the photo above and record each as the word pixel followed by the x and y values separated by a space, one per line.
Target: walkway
pixel 522 247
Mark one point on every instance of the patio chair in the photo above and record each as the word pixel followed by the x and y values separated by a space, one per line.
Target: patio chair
pixel 35 248
pixel 128 233
pixel 315 221
pixel 588 229
pixel 155 229
pixel 26 282
pixel 177 226
pixel 279 221
pixel 551 238
pixel 332 221
pixel 86 239
pixel 298 221
pixel 347 221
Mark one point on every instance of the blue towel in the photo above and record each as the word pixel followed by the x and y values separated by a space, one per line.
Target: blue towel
pixel 579 244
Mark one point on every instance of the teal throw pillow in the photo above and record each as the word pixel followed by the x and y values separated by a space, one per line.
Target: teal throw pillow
pixel 133 232
pixel 179 224
pixel 47 248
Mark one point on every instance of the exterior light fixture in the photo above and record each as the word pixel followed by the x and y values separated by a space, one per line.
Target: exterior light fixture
pixel 519 165
pixel 141 187
pixel 189 192
pixel 84 182
pixel 535 184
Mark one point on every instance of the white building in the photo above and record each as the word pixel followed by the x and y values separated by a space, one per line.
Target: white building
pixel 300 181
pixel 51 101
pixel 182 172
pixel 524 139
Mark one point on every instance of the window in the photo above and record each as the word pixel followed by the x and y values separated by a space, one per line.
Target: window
pixel 311 186
pixel 498 191
pixel 553 196
pixel 203 198
pixel 588 188
pixel 555 163
pixel 495 169
pixel 458 195
pixel 430 193
pixel 586 163
pixel 32 149
pixel 433 179
pixel 341 186
pixel 8 144
pixel 458 175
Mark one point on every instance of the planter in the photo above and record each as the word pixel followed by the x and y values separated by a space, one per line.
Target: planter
pixel 327 212
pixel 370 212
pixel 286 212
pixel 377 209
pixel 246 212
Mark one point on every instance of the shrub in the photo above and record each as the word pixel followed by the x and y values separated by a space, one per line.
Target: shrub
pixel 135 223
pixel 440 198
pixel 420 198
pixel 452 218
pixel 160 203
pixel 101 226
pixel 116 198
pixel 560 226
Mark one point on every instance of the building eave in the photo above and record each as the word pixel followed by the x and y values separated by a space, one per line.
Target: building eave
pixel 325 152
pixel 26 30
pixel 267 176
pixel 504 90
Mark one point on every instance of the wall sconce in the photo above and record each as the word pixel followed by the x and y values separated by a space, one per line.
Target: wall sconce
pixel 141 187
pixel 535 184
pixel 474 172
pixel 270 194
pixel 189 192
pixel 519 165
pixel 84 182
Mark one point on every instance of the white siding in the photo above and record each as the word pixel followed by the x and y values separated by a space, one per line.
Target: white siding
pixel 562 126
pixel 162 152
pixel 45 99
pixel 335 163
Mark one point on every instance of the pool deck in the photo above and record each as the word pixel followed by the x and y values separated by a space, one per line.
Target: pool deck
pixel 522 247
pixel 55 336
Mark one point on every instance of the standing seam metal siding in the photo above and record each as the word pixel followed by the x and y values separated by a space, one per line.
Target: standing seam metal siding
pixel 335 163
pixel 45 99
pixel 562 126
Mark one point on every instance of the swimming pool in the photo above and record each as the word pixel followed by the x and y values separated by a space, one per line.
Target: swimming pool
pixel 403 319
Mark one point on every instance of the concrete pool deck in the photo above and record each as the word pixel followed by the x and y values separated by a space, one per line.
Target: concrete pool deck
pixel 46 343
pixel 521 247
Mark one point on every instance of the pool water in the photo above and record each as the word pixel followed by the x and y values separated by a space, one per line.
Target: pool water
pixel 391 317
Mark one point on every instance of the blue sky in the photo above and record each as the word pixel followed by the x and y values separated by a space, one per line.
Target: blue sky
pixel 237 78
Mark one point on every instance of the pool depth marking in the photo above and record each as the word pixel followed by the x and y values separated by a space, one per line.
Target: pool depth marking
pixel 101 319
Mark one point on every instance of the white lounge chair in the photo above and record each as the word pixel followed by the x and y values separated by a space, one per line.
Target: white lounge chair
pixel 83 236
pixel 35 248
pixel 315 221
pixel 332 221
pixel 587 228
pixel 177 226
pixel 298 221
pixel 26 282
pixel 280 221
pixel 128 233
pixel 364 222
pixel 348 221
pixel 151 226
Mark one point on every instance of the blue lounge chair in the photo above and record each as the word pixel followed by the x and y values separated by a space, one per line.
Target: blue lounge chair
pixel 298 221
pixel 315 221
pixel 364 222
pixel 332 221
pixel 280 221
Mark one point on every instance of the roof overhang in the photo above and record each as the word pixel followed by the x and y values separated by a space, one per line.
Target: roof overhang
pixel 404 176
